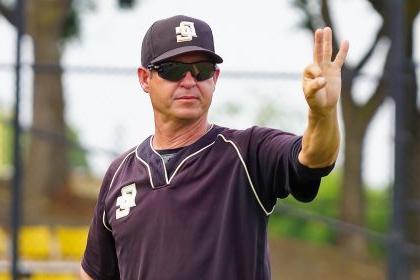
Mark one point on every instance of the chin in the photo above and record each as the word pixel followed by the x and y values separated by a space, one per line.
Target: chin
pixel 189 115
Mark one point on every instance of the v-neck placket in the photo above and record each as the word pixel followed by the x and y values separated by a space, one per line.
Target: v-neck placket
pixel 155 163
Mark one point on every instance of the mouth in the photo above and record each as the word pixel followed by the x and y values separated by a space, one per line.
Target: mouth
pixel 187 97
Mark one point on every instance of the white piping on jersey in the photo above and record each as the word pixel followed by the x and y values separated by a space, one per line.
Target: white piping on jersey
pixel 185 159
pixel 168 181
pixel 118 169
pixel 147 166
pixel 104 222
pixel 163 161
pixel 247 174
pixel 112 181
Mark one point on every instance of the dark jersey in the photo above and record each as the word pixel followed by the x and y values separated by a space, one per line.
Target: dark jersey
pixel 207 219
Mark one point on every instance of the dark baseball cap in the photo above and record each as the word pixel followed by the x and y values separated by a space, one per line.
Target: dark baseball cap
pixel 177 35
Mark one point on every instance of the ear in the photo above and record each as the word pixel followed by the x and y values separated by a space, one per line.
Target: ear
pixel 144 76
pixel 216 75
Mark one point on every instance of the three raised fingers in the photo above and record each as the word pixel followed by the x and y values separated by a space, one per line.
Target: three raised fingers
pixel 323 48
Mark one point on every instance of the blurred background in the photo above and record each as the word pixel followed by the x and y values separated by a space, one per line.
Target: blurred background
pixel 80 105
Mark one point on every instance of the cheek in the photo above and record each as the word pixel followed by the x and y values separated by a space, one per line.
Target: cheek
pixel 161 93
pixel 207 90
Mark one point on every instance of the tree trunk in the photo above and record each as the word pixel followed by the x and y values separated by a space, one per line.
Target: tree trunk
pixel 411 191
pixel 352 206
pixel 356 120
pixel 411 194
pixel 47 166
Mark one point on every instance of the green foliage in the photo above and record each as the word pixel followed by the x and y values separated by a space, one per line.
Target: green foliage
pixel 378 216
pixel 317 232
pixel 379 210
pixel 311 231
pixel 6 134
pixel 327 204
pixel 71 26
pixel 126 4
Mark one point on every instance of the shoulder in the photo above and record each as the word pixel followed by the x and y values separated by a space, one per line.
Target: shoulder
pixel 118 162
pixel 254 134
pixel 123 157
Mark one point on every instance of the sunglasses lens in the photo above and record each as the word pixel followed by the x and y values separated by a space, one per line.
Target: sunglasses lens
pixel 175 71
pixel 172 71
pixel 205 70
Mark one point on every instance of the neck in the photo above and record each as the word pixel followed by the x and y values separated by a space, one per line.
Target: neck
pixel 176 135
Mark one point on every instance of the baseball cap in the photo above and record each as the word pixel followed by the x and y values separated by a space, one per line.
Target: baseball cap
pixel 177 35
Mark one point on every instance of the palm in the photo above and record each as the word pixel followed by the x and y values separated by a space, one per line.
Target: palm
pixel 322 79
pixel 328 96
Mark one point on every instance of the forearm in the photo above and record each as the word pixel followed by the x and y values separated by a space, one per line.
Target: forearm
pixel 321 140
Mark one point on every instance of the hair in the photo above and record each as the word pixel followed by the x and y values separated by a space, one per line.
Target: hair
pixel 151 73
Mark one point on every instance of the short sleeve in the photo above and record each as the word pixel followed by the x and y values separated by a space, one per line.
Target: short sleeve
pixel 100 260
pixel 304 181
pixel 272 159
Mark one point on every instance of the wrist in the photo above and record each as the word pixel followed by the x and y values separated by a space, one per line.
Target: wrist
pixel 315 114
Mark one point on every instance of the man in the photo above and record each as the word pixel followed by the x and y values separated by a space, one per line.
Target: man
pixel 193 200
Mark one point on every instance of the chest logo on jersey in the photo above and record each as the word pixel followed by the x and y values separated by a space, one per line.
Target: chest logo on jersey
pixel 126 201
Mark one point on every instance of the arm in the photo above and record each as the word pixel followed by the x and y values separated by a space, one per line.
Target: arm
pixel 99 260
pixel 322 88
pixel 84 275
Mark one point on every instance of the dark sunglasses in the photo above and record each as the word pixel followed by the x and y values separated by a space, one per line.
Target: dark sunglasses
pixel 175 71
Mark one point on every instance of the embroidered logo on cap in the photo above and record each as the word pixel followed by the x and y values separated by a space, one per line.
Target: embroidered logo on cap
pixel 126 201
pixel 185 31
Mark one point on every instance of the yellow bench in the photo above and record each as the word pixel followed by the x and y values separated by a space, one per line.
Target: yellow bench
pixel 53 276
pixel 3 244
pixel 35 242
pixel 72 241
pixel 5 276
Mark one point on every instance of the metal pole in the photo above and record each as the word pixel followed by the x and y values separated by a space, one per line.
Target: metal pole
pixel 398 267
pixel 17 175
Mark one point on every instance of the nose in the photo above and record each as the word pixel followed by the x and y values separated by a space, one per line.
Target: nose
pixel 188 81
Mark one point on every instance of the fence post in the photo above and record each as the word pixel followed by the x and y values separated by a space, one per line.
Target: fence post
pixel 398 267
pixel 17 174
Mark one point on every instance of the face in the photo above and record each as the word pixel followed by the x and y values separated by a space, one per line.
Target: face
pixel 183 100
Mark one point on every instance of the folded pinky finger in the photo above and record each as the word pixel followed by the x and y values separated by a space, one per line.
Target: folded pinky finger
pixel 314 85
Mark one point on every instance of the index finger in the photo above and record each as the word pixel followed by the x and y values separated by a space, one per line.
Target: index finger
pixel 318 46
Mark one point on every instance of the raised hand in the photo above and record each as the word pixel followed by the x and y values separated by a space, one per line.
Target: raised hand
pixel 322 78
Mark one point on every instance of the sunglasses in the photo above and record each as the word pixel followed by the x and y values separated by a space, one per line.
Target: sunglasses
pixel 175 71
